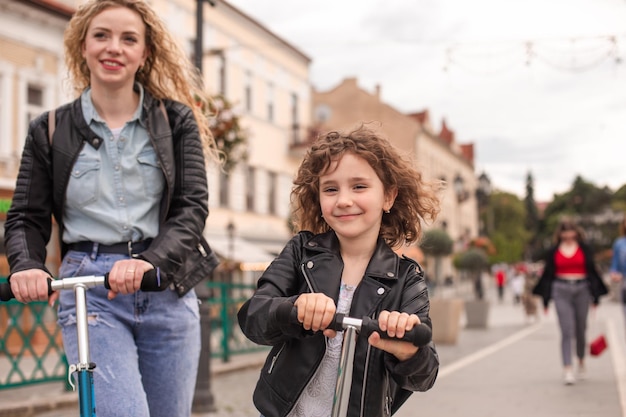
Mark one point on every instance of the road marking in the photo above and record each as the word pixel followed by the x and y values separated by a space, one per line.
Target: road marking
pixel 484 352
pixel 616 348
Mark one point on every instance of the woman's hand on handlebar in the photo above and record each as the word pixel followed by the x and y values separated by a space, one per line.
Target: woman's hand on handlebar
pixel 315 312
pixel 395 324
pixel 126 275
pixel 32 285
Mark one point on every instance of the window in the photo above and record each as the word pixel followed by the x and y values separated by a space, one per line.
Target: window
pixel 295 125
pixel 270 102
pixel 224 190
pixel 34 102
pixel 248 92
pixel 271 195
pixel 250 188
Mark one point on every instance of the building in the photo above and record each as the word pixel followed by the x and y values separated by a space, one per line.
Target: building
pixel 31 78
pixel 437 155
pixel 265 77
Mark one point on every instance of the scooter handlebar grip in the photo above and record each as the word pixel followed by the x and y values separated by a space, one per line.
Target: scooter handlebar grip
pixel 419 336
pixel 6 293
pixel 151 281
pixel 287 313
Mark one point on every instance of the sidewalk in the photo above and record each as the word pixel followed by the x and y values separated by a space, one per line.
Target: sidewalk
pixel 510 369
pixel 520 375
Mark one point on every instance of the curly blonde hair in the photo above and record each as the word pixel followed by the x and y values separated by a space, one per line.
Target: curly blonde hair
pixel 167 72
pixel 416 199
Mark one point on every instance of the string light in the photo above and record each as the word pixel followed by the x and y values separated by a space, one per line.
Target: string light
pixel 565 54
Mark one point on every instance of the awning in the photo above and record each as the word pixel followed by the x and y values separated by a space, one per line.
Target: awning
pixel 251 257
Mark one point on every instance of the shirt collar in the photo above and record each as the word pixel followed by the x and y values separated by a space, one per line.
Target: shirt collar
pixel 90 113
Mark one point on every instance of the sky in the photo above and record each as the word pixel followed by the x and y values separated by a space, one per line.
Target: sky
pixel 539 86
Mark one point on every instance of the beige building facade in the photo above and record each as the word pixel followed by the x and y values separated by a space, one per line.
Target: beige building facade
pixel 437 155
pixel 265 77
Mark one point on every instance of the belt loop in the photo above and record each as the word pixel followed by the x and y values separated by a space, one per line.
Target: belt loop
pixel 94 251
pixel 130 248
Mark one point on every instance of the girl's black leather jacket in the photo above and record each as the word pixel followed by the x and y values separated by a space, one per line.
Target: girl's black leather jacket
pixel 311 263
pixel 44 174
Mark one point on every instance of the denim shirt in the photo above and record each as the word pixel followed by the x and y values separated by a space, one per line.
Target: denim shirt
pixel 618 263
pixel 114 191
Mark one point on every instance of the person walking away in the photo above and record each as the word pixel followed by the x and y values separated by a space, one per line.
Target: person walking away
pixel 617 270
pixel 355 201
pixel 517 284
pixel 571 279
pixel 500 282
pixel 124 177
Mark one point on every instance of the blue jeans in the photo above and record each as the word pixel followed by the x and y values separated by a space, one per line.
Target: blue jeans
pixel 145 345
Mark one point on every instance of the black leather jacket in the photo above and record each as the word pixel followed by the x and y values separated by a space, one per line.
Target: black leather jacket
pixel 311 263
pixel 44 175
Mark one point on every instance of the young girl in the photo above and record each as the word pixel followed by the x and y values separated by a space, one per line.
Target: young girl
pixel 125 180
pixel 355 199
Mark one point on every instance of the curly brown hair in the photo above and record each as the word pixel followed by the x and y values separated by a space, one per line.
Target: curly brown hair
pixel 167 72
pixel 416 199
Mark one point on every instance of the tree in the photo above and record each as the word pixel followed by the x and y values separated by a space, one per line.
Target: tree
pixel 581 203
pixel 509 235
pixel 436 243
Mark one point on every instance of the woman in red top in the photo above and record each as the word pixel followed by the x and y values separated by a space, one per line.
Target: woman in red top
pixel 571 279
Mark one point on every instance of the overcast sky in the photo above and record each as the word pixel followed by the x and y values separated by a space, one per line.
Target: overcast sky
pixel 536 85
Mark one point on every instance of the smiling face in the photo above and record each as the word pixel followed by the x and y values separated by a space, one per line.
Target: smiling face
pixel 353 198
pixel 115 47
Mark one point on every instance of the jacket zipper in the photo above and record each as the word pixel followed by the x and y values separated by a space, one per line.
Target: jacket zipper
pixel 306 277
pixel 275 358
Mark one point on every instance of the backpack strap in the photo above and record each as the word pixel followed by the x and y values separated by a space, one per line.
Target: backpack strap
pixel 51 124
pixel 162 107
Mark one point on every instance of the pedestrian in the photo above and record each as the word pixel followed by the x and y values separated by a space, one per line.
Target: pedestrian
pixel 618 262
pixel 517 284
pixel 355 198
pixel 571 279
pixel 123 174
pixel 500 282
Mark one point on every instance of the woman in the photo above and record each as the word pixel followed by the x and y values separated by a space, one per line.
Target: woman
pixel 571 279
pixel 112 176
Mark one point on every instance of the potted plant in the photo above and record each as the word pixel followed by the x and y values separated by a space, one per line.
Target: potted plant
pixel 473 262
pixel 445 313
pixel 436 243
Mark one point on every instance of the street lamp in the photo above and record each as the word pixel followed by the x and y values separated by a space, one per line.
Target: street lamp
pixel 200 31
pixel 459 188
pixel 484 189
pixel 230 229
pixel 483 192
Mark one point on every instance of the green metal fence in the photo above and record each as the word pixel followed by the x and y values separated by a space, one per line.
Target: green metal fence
pixel 31 349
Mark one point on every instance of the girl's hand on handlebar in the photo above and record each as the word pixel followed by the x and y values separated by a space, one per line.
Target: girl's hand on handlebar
pixel 126 275
pixel 315 312
pixel 395 324
pixel 32 285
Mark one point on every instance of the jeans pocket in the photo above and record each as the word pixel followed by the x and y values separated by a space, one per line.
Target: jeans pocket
pixel 192 303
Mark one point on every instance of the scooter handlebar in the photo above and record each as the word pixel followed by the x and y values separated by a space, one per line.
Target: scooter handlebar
pixel 419 335
pixel 150 282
